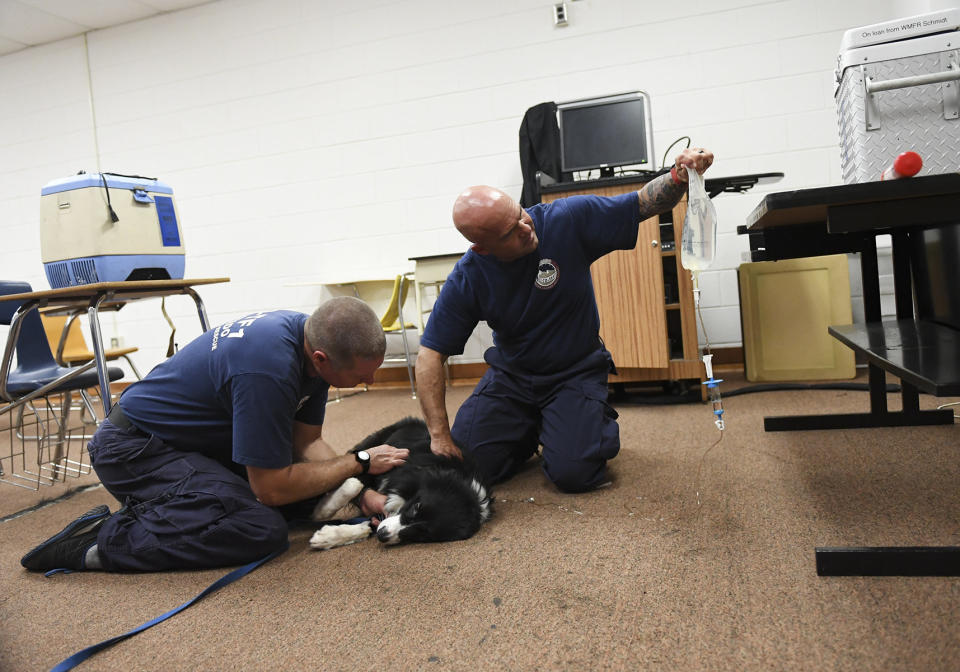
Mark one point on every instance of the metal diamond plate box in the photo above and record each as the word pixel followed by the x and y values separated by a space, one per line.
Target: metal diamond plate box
pixel 898 89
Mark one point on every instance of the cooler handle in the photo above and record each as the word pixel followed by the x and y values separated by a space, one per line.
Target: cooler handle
pixel 141 196
pixel 951 92
pixel 952 74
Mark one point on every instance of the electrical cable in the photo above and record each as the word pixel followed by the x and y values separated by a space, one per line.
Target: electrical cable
pixel 952 403
pixel 113 215
pixel 776 387
pixel 692 397
pixel 682 137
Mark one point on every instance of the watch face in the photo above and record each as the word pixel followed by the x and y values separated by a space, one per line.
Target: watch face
pixel 363 456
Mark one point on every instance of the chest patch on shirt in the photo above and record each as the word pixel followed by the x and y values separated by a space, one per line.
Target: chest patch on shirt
pixel 547 274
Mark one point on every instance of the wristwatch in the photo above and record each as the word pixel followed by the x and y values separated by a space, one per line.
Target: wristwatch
pixel 363 457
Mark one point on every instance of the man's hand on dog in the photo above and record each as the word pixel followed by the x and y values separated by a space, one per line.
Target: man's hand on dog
pixel 371 505
pixel 445 447
pixel 383 458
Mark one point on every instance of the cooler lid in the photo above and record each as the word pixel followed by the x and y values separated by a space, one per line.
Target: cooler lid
pixel 941 35
pixel 901 29
pixel 84 180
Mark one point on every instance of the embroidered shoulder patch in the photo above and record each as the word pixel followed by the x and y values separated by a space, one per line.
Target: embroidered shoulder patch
pixel 547 274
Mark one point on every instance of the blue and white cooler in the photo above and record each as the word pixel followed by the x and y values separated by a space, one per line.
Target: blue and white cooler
pixel 898 90
pixel 103 227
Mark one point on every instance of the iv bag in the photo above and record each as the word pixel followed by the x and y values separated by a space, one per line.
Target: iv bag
pixel 698 245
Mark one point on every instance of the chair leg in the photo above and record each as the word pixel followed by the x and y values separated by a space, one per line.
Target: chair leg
pixel 57 460
pixel 88 407
pixel 133 367
pixel 406 350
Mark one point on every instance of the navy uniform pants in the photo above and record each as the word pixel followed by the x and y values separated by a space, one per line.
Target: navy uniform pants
pixel 510 413
pixel 182 510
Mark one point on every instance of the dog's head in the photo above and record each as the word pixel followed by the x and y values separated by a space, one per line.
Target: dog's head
pixel 440 509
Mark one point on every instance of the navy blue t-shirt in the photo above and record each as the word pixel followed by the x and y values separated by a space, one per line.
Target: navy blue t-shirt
pixel 234 392
pixel 541 307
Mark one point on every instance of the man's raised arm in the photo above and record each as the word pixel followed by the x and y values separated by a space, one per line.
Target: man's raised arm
pixel 432 392
pixel 661 194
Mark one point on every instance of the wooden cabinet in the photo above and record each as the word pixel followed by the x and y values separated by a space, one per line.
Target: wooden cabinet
pixel 645 297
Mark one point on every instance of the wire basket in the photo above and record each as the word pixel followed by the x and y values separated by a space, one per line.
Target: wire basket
pixel 44 444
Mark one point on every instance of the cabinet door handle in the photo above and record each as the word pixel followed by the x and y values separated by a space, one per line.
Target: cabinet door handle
pixel 654 243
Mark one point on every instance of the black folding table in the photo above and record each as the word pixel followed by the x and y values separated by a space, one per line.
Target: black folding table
pixel 921 346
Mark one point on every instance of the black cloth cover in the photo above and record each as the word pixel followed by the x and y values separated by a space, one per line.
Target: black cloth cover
pixel 539 150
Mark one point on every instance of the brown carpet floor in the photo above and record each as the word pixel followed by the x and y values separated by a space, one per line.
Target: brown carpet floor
pixel 637 575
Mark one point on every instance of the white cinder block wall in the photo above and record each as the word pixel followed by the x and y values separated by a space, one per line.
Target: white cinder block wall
pixel 311 139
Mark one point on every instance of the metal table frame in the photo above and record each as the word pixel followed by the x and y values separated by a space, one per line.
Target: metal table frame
pixel 846 219
pixel 92 298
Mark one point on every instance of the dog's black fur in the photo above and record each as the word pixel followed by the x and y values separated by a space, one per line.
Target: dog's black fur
pixel 443 498
pixel 429 497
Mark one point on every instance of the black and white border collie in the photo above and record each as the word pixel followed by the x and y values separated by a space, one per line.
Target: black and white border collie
pixel 429 498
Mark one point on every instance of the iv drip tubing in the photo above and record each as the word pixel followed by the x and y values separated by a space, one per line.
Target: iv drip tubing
pixel 696 297
pixel 703 458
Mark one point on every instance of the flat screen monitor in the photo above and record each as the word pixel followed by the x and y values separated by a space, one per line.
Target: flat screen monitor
pixel 606 133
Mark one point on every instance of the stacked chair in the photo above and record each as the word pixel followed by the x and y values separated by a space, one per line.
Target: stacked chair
pixel 393 323
pixel 31 391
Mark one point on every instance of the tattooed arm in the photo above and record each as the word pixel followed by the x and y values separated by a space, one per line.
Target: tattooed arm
pixel 660 195
pixel 663 193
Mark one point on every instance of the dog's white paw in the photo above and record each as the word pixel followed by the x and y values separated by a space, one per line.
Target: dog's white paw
pixel 335 500
pixel 332 536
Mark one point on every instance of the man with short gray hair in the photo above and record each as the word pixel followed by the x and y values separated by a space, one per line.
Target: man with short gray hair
pixel 212 449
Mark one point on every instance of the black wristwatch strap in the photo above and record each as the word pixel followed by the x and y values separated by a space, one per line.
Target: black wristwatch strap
pixel 365 465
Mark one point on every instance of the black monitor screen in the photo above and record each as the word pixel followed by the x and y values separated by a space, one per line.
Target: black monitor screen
pixel 606 133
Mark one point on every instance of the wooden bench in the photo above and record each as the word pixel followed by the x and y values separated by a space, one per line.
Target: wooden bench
pixel 925 356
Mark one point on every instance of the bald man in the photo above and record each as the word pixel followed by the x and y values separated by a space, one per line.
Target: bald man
pixel 527 274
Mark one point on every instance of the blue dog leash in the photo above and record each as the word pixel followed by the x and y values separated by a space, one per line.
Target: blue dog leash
pixel 240 572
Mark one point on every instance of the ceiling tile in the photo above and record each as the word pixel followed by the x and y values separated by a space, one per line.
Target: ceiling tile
pixel 26 23
pixel 94 13
pixel 9 46
pixel 173 5
pixel 22 23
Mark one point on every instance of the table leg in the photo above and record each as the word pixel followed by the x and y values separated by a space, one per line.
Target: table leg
pixel 201 309
pixel 879 415
pixel 870 279
pixel 96 338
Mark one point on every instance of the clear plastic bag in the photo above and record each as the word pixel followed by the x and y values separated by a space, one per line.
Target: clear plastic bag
pixel 698 246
